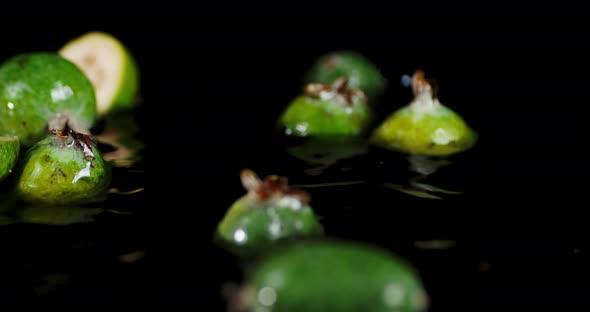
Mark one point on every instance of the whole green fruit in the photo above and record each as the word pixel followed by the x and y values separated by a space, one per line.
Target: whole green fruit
pixel 64 168
pixel 425 126
pixel 318 276
pixel 327 111
pixel 37 88
pixel 361 73
pixel 269 213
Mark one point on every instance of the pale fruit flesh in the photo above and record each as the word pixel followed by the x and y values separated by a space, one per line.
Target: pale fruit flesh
pixel 108 65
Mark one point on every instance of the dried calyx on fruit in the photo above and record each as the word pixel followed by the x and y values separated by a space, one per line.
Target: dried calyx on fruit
pixel 327 110
pixel 82 142
pixel 65 168
pixel 425 126
pixel 360 71
pixel 269 212
pixel 339 91
pixel 271 190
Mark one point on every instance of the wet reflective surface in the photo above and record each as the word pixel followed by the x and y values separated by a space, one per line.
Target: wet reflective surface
pixel 508 226
pixel 63 253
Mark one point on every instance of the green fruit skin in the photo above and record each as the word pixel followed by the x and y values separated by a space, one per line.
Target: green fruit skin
pixel 335 276
pixel 47 175
pixel 306 116
pixel 35 87
pixel 264 226
pixel 362 74
pixel 9 150
pixel 127 95
pixel 437 133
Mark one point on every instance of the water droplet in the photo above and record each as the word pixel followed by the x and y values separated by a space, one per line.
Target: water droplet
pixel 16 89
pixel 85 172
pixel 393 295
pixel 441 136
pixel 301 127
pixel 61 92
pixel 267 296
pixel 275 228
pixel 240 236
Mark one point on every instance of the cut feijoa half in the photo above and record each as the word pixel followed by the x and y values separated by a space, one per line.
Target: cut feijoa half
pixel 9 148
pixel 109 66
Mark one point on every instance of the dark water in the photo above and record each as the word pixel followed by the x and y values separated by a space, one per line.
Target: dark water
pixel 65 254
pixel 515 236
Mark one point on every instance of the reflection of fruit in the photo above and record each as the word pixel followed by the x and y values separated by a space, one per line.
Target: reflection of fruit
pixel 270 212
pixel 425 126
pixel 327 152
pixel 9 149
pixel 326 110
pixel 120 132
pixel 35 88
pixel 109 66
pixel 64 168
pixel 333 276
pixel 57 215
pixel 4 220
pixel 361 73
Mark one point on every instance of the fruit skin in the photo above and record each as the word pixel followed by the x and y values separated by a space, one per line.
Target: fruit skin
pixel 362 74
pixel 437 133
pixel 263 226
pixel 425 126
pixel 35 87
pixel 334 276
pixel 311 117
pixel 55 171
pixel 9 150
pixel 254 223
pixel 326 116
pixel 128 91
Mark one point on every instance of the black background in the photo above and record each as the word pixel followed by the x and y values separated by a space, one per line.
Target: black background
pixel 213 86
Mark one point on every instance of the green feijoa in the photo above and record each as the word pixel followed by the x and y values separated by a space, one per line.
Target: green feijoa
pixel 317 276
pixel 37 88
pixel 63 169
pixel 326 111
pixel 425 126
pixel 360 71
pixel 270 212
